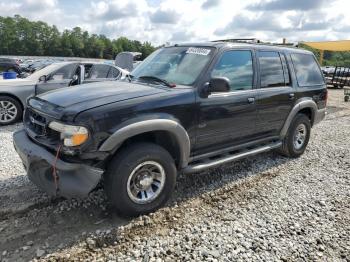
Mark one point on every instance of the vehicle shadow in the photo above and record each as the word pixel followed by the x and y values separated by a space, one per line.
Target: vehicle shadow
pixel 190 186
pixel 53 223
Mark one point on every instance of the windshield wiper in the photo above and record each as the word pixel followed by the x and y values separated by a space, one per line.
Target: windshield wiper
pixel 157 79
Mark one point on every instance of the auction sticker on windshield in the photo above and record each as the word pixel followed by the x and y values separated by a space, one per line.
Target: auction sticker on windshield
pixel 198 51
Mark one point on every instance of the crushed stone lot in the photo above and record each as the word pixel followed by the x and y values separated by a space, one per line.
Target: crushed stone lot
pixel 267 207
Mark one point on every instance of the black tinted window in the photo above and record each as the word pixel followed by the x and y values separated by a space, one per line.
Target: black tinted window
pixel 306 69
pixel 271 70
pixel 237 66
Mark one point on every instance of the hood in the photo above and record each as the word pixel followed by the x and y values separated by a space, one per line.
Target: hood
pixel 83 97
pixel 17 82
pixel 125 60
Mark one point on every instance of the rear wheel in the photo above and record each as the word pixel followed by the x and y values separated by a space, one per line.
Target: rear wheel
pixel 10 110
pixel 140 179
pixel 297 138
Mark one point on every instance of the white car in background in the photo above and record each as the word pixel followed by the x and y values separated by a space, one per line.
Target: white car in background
pixel 14 92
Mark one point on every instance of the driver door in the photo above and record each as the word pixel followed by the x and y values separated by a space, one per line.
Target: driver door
pixel 228 119
pixel 58 79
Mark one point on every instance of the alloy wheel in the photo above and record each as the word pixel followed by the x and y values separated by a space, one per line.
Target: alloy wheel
pixel 8 111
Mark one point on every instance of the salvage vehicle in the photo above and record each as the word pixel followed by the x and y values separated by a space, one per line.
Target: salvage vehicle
pixel 9 65
pixel 184 109
pixel 14 93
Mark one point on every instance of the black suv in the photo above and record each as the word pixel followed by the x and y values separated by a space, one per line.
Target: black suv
pixel 185 109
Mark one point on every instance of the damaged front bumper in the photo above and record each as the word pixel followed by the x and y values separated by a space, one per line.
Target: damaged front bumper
pixel 74 179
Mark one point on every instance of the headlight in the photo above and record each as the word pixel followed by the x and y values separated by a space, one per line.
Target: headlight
pixel 71 135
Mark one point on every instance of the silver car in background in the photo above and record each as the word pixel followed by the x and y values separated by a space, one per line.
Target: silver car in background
pixel 14 93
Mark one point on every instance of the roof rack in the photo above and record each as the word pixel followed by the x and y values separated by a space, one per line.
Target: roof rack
pixel 239 40
pixel 257 41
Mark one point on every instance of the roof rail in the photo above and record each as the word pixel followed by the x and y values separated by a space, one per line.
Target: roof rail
pixel 239 40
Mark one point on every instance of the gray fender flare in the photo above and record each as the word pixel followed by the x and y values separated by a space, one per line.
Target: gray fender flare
pixel 171 126
pixel 306 103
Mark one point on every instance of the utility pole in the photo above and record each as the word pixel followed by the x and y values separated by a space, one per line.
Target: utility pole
pixel 321 56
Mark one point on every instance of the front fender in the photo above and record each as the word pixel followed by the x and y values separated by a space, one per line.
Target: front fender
pixel 133 129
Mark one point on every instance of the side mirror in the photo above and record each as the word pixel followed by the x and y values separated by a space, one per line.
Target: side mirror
pixel 219 84
pixel 42 79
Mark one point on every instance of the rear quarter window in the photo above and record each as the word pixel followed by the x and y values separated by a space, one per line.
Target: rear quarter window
pixel 306 69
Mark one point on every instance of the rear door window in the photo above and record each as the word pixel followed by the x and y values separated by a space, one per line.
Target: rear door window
pixel 271 69
pixel 307 71
pixel 99 71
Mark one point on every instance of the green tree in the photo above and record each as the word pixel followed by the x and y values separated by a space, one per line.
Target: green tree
pixel 20 36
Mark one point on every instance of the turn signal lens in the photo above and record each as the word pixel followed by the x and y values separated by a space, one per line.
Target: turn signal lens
pixel 76 140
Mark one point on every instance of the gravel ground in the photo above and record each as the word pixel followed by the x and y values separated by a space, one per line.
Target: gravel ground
pixel 264 208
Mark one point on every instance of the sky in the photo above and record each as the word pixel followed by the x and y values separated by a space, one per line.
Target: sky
pixel 177 21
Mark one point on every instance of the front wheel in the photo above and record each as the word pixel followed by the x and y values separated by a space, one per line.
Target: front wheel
pixel 140 179
pixel 10 110
pixel 297 138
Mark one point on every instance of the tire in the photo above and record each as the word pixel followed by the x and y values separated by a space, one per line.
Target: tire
pixel 122 183
pixel 10 110
pixel 291 146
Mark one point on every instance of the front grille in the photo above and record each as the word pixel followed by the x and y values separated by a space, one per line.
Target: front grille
pixel 37 127
pixel 36 123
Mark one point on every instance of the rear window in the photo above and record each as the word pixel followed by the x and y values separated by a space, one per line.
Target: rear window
pixel 271 69
pixel 307 71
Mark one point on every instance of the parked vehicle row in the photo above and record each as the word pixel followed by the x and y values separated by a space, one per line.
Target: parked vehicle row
pixel 185 109
pixel 9 65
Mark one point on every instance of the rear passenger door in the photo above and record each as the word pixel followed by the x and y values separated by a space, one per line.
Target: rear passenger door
pixel 276 94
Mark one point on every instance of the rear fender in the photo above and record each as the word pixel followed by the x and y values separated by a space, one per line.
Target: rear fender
pixel 300 104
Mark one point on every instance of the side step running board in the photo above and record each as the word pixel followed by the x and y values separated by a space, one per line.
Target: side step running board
pixel 208 163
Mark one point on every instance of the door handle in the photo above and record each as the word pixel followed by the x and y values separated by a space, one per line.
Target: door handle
pixel 291 96
pixel 251 100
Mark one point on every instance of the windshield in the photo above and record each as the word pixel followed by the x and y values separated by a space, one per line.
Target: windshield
pixel 177 65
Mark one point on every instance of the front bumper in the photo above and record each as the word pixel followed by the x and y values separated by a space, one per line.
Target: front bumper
pixel 74 179
pixel 319 115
